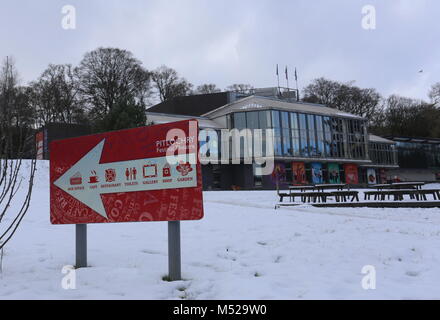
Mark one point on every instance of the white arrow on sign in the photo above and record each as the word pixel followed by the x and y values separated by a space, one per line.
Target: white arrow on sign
pixel 129 176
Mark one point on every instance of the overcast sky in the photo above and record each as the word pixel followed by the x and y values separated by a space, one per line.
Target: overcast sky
pixel 225 42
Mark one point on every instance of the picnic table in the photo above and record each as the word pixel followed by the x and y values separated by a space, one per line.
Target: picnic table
pixel 400 185
pixel 315 196
pixel 399 194
pixel 302 188
pixel 342 196
pixel 322 187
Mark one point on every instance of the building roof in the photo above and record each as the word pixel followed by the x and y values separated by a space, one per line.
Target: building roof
pixel 373 138
pixel 160 118
pixel 254 103
pixel 414 139
pixel 195 105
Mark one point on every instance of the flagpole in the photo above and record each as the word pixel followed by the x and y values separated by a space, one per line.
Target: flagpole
pixel 297 88
pixel 287 78
pixel 278 77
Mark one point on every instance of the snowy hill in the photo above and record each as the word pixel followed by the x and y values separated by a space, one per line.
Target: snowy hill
pixel 243 249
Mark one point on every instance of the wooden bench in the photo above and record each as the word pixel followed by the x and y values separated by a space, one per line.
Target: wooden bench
pixel 421 194
pixel 293 195
pixel 397 194
pixel 315 196
pixel 376 194
pixel 283 195
pixel 341 196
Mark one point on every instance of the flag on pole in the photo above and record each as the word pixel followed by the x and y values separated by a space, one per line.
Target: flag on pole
pixel 287 74
pixel 296 75
pixel 277 70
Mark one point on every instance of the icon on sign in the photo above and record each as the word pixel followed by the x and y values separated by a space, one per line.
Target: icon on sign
pixel 184 169
pixel 76 179
pixel 166 171
pixel 110 175
pixel 130 173
pixel 93 178
pixel 150 171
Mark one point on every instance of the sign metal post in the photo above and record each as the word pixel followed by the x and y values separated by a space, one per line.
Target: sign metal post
pixel 174 261
pixel 81 245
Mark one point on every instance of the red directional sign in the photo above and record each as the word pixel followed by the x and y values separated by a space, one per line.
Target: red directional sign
pixel 143 174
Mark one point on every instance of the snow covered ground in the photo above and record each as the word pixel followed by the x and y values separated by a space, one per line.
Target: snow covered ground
pixel 243 249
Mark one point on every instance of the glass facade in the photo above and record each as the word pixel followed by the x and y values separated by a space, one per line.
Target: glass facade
pixel 338 141
pixel 308 135
pixel 356 139
pixel 383 154
pixel 286 135
pixel 295 133
pixel 276 125
pixel 303 133
pixel 418 155
pixel 328 141
pixel 311 130
pixel 319 136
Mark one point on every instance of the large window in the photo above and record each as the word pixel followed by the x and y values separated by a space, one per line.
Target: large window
pixel 303 134
pixel 240 120
pixel 338 143
pixel 252 119
pixel 295 134
pixel 418 155
pixel 319 136
pixel 287 140
pixel 312 135
pixel 383 153
pixel 356 140
pixel 276 124
pixel 328 141
pixel 264 119
pixel 308 135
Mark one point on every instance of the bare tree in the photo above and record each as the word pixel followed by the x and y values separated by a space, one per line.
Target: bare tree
pixel 207 88
pixel 344 96
pixel 434 94
pixel 16 174
pixel 240 88
pixel 322 91
pixel 410 117
pixel 55 98
pixel 169 84
pixel 110 76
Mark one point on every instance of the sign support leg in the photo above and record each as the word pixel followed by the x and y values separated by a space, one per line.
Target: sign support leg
pixel 81 246
pixel 174 263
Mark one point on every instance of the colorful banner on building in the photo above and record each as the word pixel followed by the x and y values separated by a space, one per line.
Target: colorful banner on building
pixel 351 174
pixel 383 176
pixel 279 174
pixel 317 177
pixel 371 176
pixel 299 173
pixel 39 141
pixel 333 173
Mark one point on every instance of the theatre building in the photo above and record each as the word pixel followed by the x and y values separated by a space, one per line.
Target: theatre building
pixel 312 143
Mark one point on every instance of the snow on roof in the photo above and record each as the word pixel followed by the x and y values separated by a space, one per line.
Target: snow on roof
pixel 373 138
